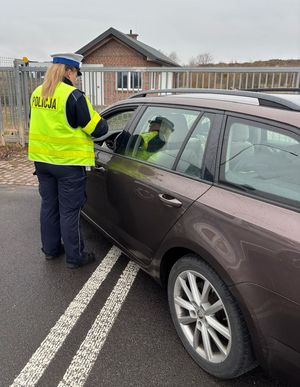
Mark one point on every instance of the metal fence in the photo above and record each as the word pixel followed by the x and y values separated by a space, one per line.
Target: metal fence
pixel 105 85
pixel 6 61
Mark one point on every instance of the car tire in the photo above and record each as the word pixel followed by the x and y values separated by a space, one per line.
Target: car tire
pixel 208 320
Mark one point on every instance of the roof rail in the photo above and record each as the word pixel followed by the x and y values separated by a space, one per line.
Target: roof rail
pixel 275 89
pixel 263 99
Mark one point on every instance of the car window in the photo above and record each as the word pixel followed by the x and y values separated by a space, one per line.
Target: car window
pixel 117 121
pixel 262 159
pixel 159 135
pixel 190 161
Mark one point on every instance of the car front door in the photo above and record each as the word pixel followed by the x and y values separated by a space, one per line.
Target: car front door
pixel 146 197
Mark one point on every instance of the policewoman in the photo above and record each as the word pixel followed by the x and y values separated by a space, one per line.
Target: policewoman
pixel 62 124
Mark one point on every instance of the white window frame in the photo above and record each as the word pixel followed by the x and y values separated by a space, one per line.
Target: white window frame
pixel 129 86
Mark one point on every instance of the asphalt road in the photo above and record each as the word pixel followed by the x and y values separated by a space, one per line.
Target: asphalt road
pixel 94 334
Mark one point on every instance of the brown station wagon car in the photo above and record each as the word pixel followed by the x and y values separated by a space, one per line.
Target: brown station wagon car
pixel 202 189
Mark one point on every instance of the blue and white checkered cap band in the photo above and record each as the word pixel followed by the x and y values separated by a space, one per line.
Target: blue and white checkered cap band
pixel 66 61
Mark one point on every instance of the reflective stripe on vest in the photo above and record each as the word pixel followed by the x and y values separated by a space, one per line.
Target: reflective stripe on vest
pixel 51 139
pixel 95 118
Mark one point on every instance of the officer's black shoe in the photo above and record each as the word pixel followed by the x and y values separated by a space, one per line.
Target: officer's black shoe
pixel 61 252
pixel 86 259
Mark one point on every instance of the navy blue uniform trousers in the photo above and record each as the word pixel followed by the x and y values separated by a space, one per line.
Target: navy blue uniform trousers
pixel 62 189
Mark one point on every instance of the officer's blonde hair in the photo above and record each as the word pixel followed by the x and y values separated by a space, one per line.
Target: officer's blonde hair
pixel 54 75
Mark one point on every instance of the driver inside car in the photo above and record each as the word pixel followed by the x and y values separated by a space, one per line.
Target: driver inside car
pixel 159 131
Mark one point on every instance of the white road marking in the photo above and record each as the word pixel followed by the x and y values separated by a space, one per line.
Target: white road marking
pixel 42 357
pixel 82 363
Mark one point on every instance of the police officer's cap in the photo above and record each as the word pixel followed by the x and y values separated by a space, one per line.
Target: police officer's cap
pixel 162 120
pixel 69 59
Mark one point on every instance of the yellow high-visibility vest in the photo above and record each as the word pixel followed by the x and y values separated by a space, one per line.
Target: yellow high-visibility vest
pixel 51 139
pixel 143 152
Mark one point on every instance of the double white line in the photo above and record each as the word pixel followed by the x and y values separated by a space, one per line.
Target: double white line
pixel 86 356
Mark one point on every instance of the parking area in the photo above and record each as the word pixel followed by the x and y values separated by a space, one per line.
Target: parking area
pixel 16 169
pixel 106 324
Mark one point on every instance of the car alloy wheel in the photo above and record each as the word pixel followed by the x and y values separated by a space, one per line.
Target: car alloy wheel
pixel 202 316
pixel 208 320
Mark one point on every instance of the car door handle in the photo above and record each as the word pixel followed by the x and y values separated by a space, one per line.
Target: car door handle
pixel 100 169
pixel 169 200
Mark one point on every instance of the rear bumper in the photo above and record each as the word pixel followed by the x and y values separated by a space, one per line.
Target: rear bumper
pixel 274 324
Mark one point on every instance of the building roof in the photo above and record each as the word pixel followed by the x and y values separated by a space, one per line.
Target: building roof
pixel 149 52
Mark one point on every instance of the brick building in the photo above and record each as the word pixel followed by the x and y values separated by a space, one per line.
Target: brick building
pixel 115 49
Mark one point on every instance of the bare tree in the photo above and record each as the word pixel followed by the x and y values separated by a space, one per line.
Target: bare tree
pixel 201 59
pixel 174 57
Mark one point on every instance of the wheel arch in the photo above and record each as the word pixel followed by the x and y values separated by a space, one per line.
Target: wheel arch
pixel 173 254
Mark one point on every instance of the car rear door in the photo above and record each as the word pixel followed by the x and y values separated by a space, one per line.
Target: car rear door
pixel 253 209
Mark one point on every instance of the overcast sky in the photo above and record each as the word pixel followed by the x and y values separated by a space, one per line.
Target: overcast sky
pixel 229 30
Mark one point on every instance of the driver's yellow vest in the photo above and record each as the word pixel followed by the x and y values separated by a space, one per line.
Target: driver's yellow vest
pixel 51 139
pixel 143 149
